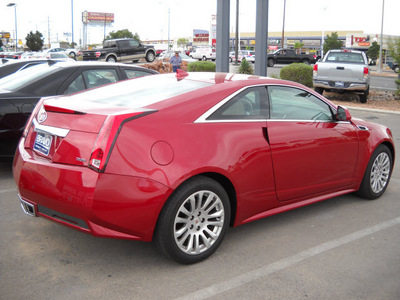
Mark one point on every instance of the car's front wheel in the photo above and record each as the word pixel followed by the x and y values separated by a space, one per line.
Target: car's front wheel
pixel 377 174
pixel 194 221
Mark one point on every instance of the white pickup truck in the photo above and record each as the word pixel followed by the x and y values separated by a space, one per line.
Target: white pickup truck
pixel 342 71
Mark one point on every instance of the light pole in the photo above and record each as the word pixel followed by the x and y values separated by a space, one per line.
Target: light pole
pixel 16 32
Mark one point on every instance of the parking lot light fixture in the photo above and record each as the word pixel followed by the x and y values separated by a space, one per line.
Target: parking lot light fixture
pixel 16 32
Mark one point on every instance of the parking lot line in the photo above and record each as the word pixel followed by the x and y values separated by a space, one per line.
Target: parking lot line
pixel 251 276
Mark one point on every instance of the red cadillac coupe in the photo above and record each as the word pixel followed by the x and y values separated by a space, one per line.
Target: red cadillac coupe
pixel 179 158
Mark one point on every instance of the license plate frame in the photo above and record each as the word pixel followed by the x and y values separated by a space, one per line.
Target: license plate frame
pixel 43 142
pixel 339 84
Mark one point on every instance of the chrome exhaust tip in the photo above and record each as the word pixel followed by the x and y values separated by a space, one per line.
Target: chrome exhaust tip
pixel 27 207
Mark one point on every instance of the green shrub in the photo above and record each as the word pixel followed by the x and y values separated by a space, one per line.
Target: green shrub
pixel 300 73
pixel 245 68
pixel 201 66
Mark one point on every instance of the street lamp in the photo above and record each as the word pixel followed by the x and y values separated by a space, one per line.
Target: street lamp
pixel 16 32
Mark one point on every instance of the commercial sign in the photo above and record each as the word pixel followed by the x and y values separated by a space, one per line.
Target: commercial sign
pixel 200 37
pixel 97 17
pixel 4 35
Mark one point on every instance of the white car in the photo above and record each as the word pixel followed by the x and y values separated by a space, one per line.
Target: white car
pixel 204 53
pixel 70 51
pixel 182 55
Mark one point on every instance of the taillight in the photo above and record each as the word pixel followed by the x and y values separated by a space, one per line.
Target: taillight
pixel 366 72
pixel 98 53
pixel 315 69
pixel 108 136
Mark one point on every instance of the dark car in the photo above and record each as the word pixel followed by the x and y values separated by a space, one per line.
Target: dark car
pixel 19 92
pixel 10 66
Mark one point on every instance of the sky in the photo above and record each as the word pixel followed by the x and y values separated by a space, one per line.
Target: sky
pixel 152 19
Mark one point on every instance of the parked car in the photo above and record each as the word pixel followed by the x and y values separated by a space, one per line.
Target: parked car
pixel 204 53
pixel 395 67
pixel 159 51
pixel 53 55
pixel 19 92
pixel 289 56
pixel 179 158
pixel 121 50
pixel 343 71
pixel 168 55
pixel 13 55
pixel 71 52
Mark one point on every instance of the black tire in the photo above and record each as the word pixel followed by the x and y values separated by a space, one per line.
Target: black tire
pixel 150 56
pixel 305 61
pixel 271 62
pixel 377 175
pixel 190 234
pixel 319 90
pixel 72 55
pixel 111 59
pixel 364 97
pixel 396 69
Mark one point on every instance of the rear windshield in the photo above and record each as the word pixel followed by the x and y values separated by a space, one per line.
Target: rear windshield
pixel 140 92
pixel 348 57
pixel 17 80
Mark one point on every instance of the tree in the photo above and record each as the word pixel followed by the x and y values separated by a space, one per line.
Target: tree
pixel 373 51
pixel 182 42
pixel 394 49
pixel 332 42
pixel 34 41
pixel 298 46
pixel 124 33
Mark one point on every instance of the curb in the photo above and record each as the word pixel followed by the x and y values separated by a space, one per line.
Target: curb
pixel 374 110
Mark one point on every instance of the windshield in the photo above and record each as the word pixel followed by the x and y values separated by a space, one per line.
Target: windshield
pixel 17 80
pixel 347 57
pixel 140 92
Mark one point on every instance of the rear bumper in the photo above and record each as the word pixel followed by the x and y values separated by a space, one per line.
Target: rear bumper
pixel 347 86
pixel 103 205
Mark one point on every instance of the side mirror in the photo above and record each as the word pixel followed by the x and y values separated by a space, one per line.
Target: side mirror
pixel 343 114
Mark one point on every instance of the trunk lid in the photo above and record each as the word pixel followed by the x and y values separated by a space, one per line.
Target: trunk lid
pixel 61 134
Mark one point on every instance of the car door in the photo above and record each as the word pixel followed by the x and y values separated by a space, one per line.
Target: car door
pixel 311 152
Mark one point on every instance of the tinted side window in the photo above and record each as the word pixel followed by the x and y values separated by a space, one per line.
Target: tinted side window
pixel 124 44
pixel 248 104
pixel 99 77
pixel 135 73
pixel 134 43
pixel 296 104
pixel 77 85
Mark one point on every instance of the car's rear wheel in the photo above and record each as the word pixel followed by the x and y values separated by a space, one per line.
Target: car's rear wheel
pixel 111 59
pixel 305 61
pixel 319 90
pixel 194 221
pixel 364 96
pixel 150 56
pixel 271 62
pixel 377 174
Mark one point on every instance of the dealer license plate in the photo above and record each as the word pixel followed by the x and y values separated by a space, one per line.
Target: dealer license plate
pixel 43 143
pixel 339 84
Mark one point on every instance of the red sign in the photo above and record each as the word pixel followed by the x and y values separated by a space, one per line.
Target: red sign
pixel 100 17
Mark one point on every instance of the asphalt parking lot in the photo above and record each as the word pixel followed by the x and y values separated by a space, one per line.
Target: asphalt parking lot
pixel 342 248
